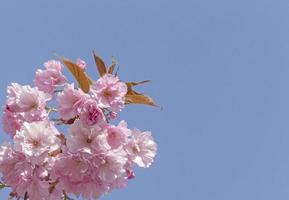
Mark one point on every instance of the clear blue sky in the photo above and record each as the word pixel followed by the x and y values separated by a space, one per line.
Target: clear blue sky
pixel 219 68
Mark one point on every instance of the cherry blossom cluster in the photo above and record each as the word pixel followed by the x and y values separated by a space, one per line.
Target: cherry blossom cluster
pixel 90 159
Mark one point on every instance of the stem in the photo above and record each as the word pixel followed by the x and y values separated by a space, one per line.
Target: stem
pixel 49 109
pixel 26 196
pixel 66 197
pixel 2 185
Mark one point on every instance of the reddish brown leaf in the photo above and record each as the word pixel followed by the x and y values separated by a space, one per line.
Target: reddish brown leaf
pixel 131 84
pixel 99 64
pixel 112 66
pixel 139 99
pixel 133 97
pixel 79 74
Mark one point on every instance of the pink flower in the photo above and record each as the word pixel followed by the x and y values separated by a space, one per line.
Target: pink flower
pixel 11 121
pixel 36 140
pixel 26 99
pixel 36 185
pixel 37 189
pixel 22 176
pixel 71 169
pixel 118 135
pixel 81 63
pixel 110 92
pixel 91 114
pixel 142 148
pixel 77 175
pixel 91 189
pixel 89 139
pixel 70 102
pixel 14 167
pixel 9 164
pixel 47 80
pixel 111 165
pixel 121 181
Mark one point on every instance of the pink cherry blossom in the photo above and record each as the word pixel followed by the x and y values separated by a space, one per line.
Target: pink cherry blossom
pixel 89 139
pixel 70 102
pixel 118 135
pixel 23 104
pixel 91 189
pixel 110 92
pixel 11 121
pixel 47 80
pixel 9 164
pixel 72 170
pixel 111 165
pixel 37 189
pixel 142 148
pixel 35 184
pixel 36 140
pixel 81 63
pixel 14 167
pixel 91 114
pixel 121 181
pixel 26 99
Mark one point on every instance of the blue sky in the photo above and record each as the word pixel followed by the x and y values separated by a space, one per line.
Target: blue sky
pixel 219 68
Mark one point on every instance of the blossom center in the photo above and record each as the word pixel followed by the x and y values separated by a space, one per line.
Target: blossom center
pixel 35 143
pixel 103 162
pixel 136 149
pixel 88 140
pixel 108 94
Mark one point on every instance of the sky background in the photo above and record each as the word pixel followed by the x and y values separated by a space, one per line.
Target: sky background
pixel 220 69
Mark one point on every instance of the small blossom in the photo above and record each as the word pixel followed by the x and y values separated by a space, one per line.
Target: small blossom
pixel 75 174
pixel 118 135
pixel 14 168
pixel 81 63
pixel 110 92
pixel 11 121
pixel 36 140
pixel 89 139
pixel 26 99
pixel 111 165
pixel 70 102
pixel 91 114
pixel 47 80
pixel 142 148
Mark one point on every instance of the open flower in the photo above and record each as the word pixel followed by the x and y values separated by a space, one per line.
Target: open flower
pixel 91 114
pixel 142 148
pixel 26 99
pixel 110 92
pixel 111 165
pixel 78 175
pixel 47 80
pixel 118 135
pixel 89 139
pixel 11 121
pixel 36 140
pixel 70 102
